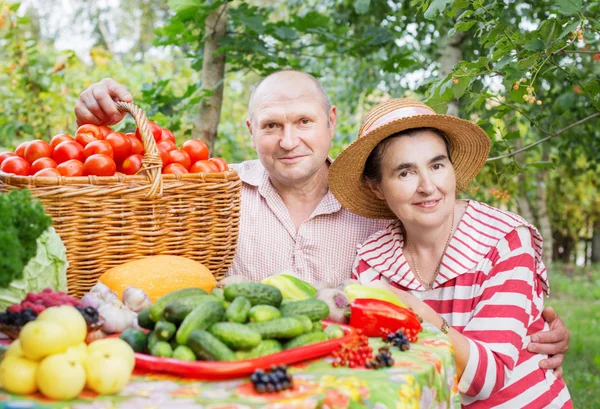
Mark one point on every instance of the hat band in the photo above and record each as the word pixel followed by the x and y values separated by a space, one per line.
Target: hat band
pixel 397 114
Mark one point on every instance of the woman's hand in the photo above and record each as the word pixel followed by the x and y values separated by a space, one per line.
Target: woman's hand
pixel 553 343
pixel 96 104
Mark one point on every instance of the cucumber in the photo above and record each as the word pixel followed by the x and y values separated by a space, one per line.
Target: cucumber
pixel 164 330
pixel 184 353
pixel 162 349
pixel 157 309
pixel 218 292
pixel 311 307
pixel 257 293
pixel 152 340
pixel 286 327
pixel 208 347
pixel 334 331
pixel 136 339
pixel 236 336
pixel 238 310
pixel 143 319
pixel 306 339
pixel 317 325
pixel 266 347
pixel 263 313
pixel 307 324
pixel 175 311
pixel 202 317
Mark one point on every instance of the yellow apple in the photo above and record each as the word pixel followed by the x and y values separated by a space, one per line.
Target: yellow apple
pixel 106 372
pixel 78 352
pixel 14 349
pixel 42 338
pixel 17 375
pixel 114 346
pixel 60 377
pixel 70 318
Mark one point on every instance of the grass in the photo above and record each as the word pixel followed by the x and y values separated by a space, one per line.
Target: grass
pixel 577 301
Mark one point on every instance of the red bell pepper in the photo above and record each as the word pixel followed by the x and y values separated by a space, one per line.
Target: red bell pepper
pixel 377 318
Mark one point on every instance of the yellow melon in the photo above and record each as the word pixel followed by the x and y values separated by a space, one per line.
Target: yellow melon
pixel 159 275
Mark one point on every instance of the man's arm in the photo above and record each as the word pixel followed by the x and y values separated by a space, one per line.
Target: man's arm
pixel 553 343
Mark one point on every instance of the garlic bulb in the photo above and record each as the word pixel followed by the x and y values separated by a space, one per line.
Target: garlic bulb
pixel 136 299
pixel 115 317
pixel 93 300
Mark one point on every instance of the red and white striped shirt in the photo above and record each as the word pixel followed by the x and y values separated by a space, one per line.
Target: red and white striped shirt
pixel 321 249
pixel 490 288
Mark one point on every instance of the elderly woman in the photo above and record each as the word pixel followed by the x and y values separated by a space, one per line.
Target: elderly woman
pixel 472 270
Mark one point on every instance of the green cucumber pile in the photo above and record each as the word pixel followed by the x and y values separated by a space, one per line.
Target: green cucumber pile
pixel 244 320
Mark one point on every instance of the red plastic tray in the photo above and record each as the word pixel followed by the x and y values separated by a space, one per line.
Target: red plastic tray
pixel 214 370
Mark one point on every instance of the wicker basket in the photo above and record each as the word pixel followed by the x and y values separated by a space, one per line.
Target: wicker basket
pixel 106 221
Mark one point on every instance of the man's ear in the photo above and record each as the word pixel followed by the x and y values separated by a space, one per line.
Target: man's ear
pixel 249 126
pixel 332 120
pixel 376 189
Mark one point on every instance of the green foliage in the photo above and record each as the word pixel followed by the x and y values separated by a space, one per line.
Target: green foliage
pixel 23 220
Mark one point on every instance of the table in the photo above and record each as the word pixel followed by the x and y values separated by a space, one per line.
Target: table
pixel 423 377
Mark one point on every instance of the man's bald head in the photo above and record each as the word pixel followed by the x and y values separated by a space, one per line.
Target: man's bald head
pixel 289 75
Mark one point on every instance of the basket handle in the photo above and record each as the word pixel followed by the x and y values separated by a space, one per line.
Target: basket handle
pixel 151 162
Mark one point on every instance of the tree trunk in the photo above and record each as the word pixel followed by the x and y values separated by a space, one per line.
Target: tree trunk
pixel 596 242
pixel 206 121
pixel 522 200
pixel 450 55
pixel 543 217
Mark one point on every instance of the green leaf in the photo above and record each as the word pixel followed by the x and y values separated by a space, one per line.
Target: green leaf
pixel 534 45
pixel 459 89
pixel 541 164
pixel 569 6
pixel 527 63
pixel 361 6
pixel 286 33
pixel 464 26
pixel 435 7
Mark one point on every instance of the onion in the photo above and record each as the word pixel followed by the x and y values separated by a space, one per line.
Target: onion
pixel 231 280
pixel 338 302
pixel 136 299
pixel 321 285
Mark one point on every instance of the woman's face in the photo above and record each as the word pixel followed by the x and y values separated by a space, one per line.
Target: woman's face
pixel 417 180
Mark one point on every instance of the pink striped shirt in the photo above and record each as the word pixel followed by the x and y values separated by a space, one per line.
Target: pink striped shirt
pixel 491 269
pixel 321 249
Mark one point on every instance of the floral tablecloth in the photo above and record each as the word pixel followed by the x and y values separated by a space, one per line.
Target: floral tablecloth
pixel 423 377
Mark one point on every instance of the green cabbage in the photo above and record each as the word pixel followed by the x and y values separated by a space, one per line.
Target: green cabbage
pixel 47 269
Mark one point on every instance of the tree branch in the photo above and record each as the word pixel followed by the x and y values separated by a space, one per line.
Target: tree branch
pixel 577 52
pixel 544 139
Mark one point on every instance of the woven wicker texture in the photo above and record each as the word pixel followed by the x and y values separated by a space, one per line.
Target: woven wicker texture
pixel 106 221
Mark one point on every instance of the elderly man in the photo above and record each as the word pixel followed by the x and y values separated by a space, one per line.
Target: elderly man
pixel 289 218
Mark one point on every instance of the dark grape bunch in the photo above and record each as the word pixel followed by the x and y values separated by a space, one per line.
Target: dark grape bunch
pixel 89 313
pixel 274 380
pixel 17 319
pixel 383 359
pixel 399 340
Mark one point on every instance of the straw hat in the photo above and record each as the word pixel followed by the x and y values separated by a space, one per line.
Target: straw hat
pixel 469 149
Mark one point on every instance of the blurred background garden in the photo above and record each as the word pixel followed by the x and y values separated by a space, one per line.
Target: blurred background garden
pixel 527 72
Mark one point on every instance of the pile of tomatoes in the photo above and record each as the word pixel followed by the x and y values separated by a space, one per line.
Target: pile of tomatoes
pixel 97 150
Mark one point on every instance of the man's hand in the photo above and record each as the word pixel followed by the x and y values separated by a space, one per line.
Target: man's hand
pixel 96 104
pixel 553 343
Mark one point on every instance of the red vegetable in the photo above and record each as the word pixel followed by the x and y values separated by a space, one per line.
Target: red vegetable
pixel 377 318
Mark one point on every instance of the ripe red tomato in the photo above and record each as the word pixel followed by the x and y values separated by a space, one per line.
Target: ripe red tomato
pixel 197 149
pixel 221 164
pixel 5 155
pixel 120 144
pixel 105 130
pixel 42 163
pixel 131 165
pixel 167 135
pixel 137 147
pixel 175 169
pixel 88 133
pixel 20 151
pixel 99 165
pixel 164 156
pixel 155 130
pixel 15 165
pixel 72 167
pixel 181 157
pixel 97 146
pixel 51 172
pixel 204 166
pixel 37 149
pixel 167 145
pixel 68 150
pixel 61 137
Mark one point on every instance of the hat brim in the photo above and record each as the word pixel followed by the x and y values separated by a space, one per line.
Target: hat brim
pixel 469 149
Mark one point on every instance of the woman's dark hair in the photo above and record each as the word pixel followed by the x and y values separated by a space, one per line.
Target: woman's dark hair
pixel 372 171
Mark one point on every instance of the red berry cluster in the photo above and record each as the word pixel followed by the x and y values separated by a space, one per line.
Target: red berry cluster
pixel 353 354
pixel 47 298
